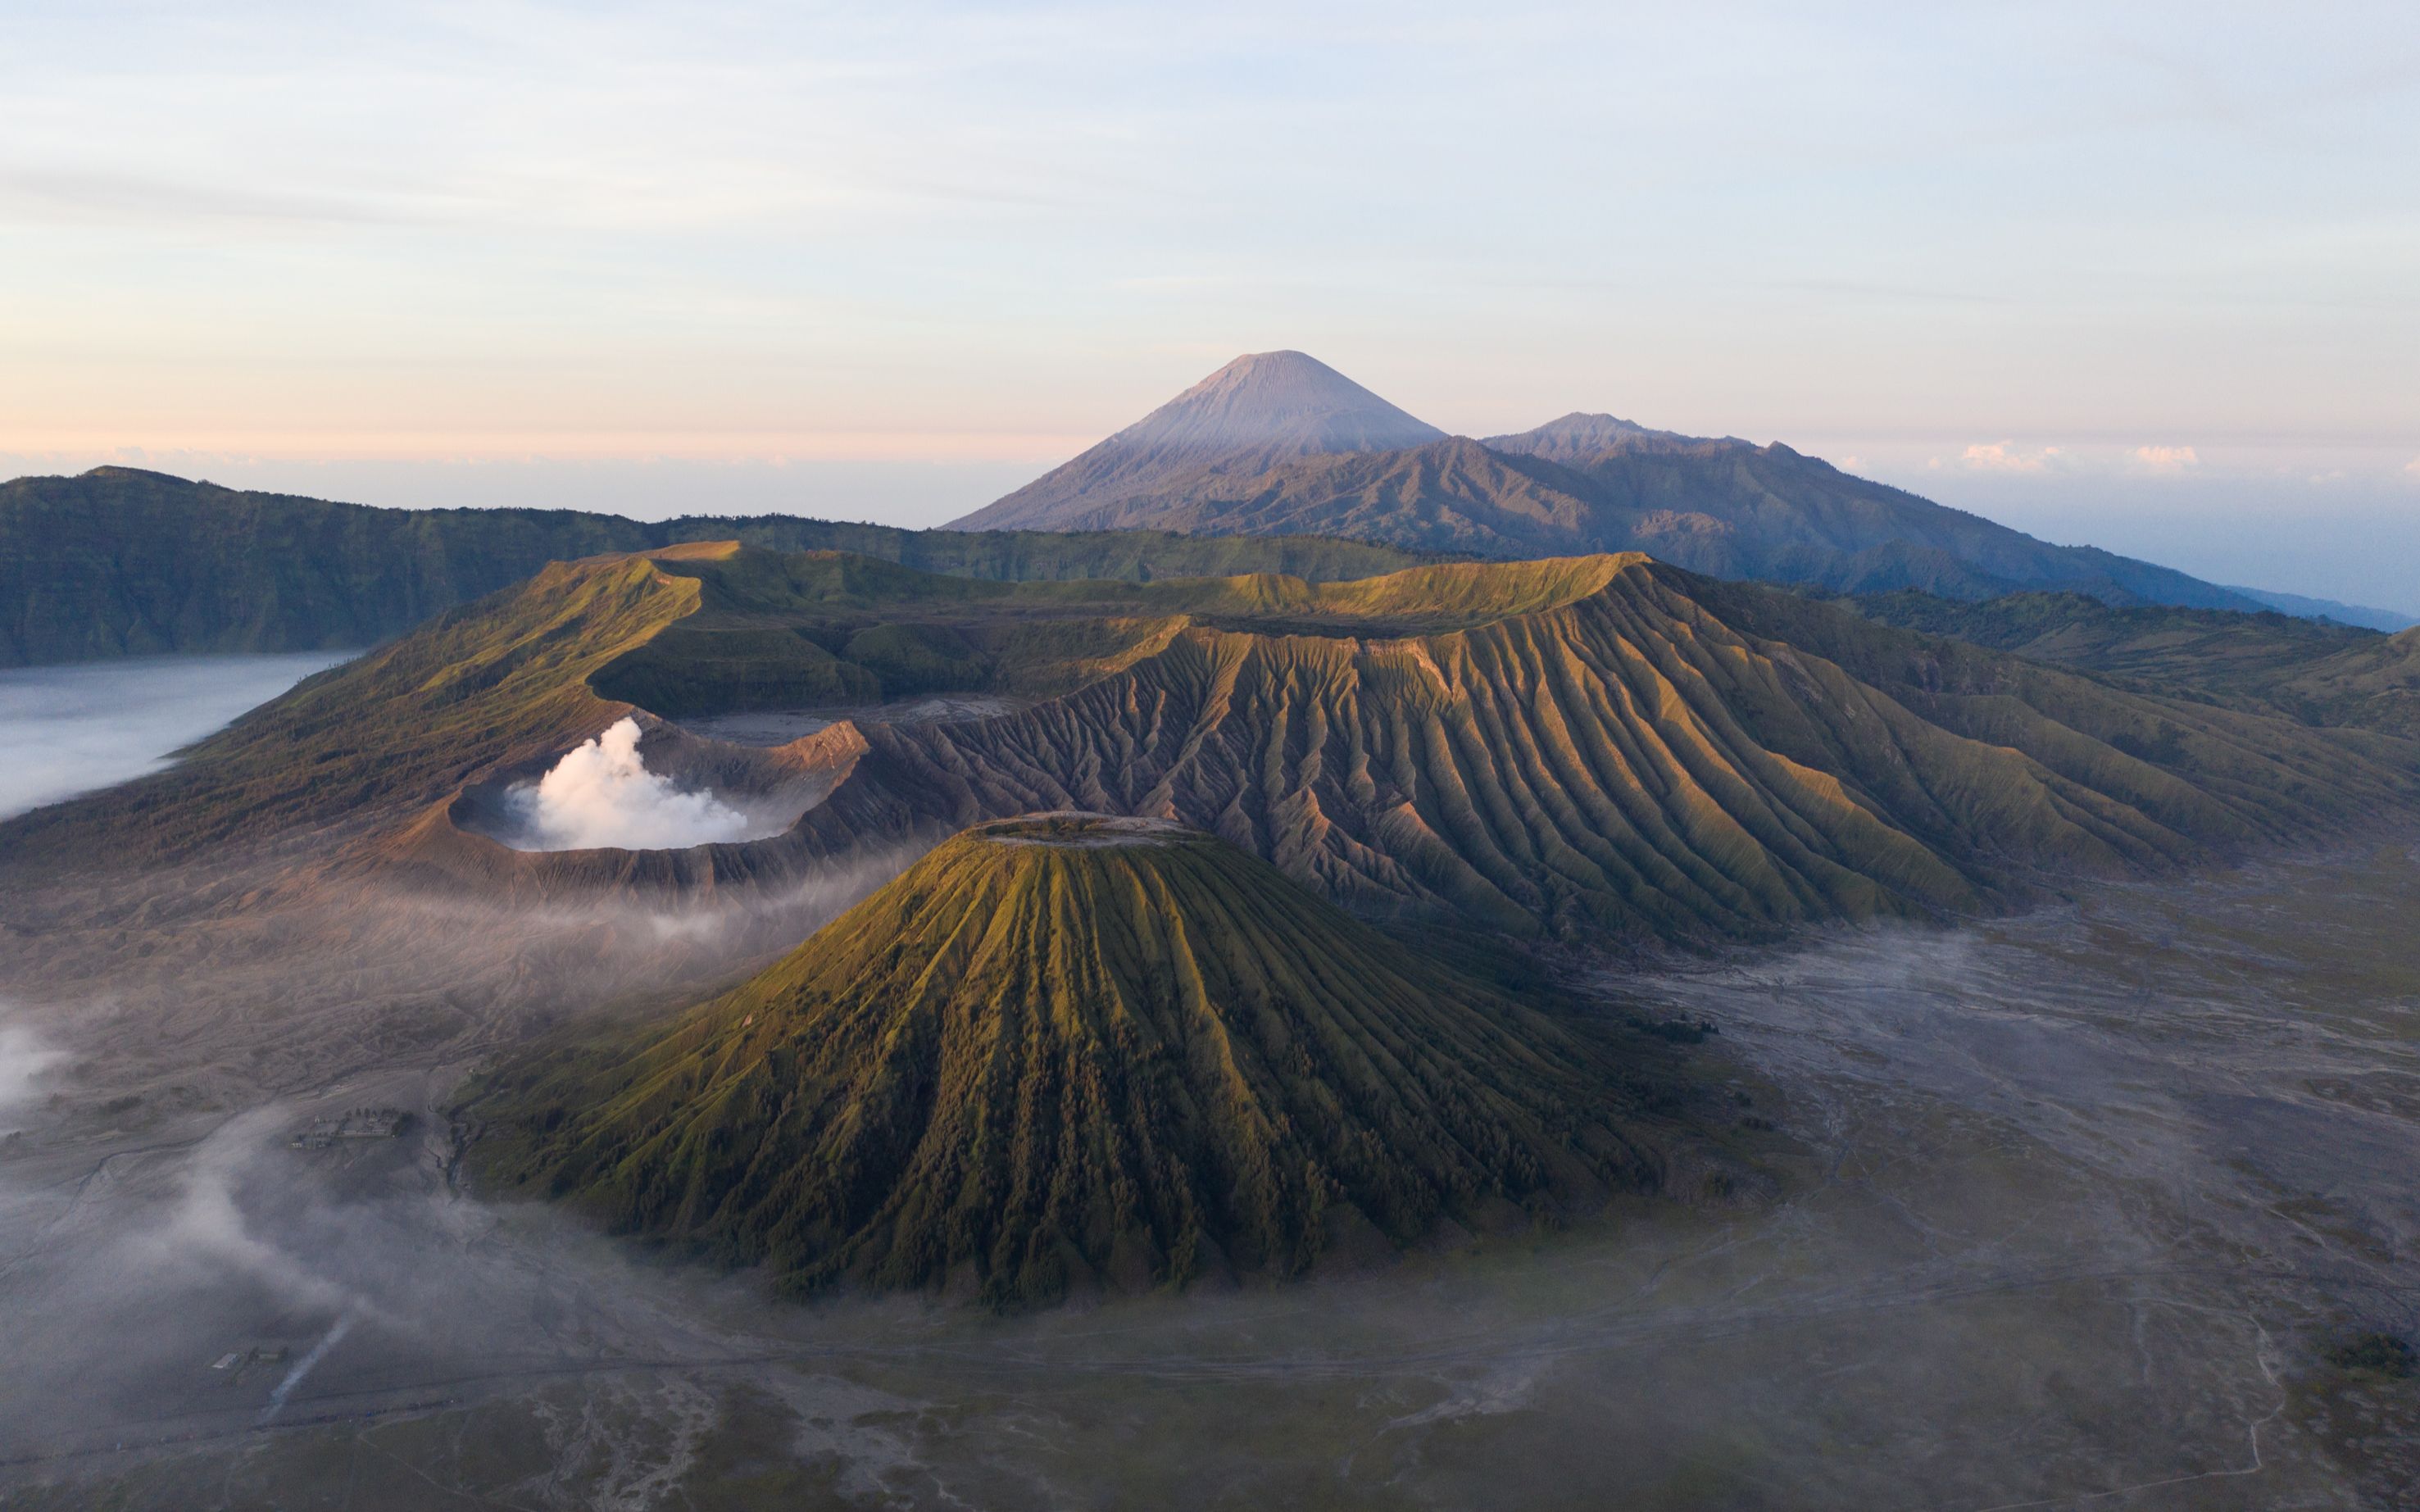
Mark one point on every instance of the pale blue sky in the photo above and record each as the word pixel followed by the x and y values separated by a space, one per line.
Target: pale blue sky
pixel 883 260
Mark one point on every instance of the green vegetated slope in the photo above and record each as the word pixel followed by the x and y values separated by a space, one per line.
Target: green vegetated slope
pixel 1068 1049
pixel 2312 671
pixel 703 626
pixel 494 683
pixel 802 628
pixel 120 562
pixel 2376 685
pixel 1596 746
pixel 1662 755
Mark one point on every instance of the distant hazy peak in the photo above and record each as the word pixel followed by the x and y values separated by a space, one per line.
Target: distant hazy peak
pixel 115 470
pixel 1582 423
pixel 1262 410
pixel 2302 606
pixel 1281 396
pixel 1582 434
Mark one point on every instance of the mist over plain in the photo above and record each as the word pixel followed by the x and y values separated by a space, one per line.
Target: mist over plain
pixel 2023 1207
pixel 71 730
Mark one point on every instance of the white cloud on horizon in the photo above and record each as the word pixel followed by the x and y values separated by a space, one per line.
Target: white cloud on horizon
pixel 2005 456
pixel 2166 459
pixel 2334 524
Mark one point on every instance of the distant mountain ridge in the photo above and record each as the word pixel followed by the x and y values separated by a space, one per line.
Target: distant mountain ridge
pixel 1578 484
pixel 1276 464
pixel 2302 606
pixel 1577 436
pixel 2311 670
pixel 122 562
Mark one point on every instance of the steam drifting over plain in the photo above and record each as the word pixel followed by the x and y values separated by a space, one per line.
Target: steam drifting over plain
pixel 25 1057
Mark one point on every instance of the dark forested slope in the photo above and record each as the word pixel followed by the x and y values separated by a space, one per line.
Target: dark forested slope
pixel 118 562
pixel 2314 671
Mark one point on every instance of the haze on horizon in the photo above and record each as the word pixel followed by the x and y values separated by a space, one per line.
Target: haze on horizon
pixel 2147 277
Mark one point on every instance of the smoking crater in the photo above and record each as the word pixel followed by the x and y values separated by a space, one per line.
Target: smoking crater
pixel 601 794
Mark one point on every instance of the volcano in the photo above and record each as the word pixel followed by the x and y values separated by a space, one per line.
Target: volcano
pixel 1279 444
pixel 1072 1050
pixel 1262 410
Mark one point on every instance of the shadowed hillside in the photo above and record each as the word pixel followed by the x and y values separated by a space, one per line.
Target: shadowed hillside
pixel 1066 1050
pixel 1580 484
pixel 1592 746
pixel 2375 684
pixel 119 562
pixel 2311 671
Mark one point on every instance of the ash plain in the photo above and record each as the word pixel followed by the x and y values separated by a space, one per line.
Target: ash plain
pixel 2067 1210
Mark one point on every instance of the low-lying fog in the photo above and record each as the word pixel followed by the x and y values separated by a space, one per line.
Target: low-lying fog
pixel 71 730
pixel 2067 1210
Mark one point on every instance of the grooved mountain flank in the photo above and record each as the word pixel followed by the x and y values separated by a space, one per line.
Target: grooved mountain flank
pixel 1071 1047
pixel 1627 761
pixel 1586 746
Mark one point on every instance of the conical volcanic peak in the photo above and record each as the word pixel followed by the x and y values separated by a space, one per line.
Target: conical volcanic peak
pixel 1258 412
pixel 1280 399
pixel 1069 1049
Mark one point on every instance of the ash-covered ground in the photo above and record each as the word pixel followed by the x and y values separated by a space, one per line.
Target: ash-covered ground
pixel 2078 1208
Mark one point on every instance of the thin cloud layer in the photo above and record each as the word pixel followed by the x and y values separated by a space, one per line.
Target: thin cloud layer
pixel 653 230
pixel 2006 457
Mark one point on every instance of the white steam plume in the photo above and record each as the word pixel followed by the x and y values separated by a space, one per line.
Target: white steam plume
pixel 23 1058
pixel 209 1224
pixel 601 794
pixel 302 1367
